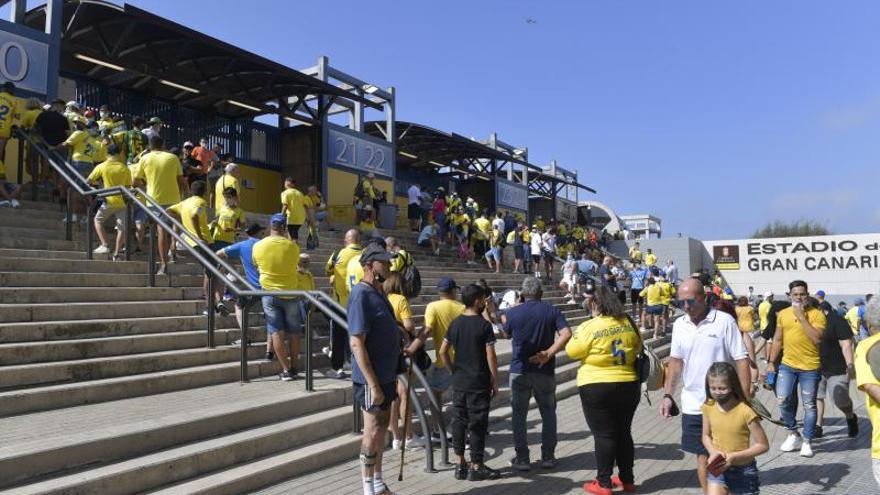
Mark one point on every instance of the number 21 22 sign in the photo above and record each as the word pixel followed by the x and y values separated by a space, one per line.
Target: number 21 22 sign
pixel 365 155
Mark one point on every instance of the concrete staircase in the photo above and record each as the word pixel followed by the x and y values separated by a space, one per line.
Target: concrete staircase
pixel 107 386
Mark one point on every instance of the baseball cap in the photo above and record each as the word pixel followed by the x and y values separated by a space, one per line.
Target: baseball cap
pixel 446 284
pixel 72 103
pixel 820 293
pixel 254 229
pixel 768 294
pixel 231 167
pixel 155 120
pixel 374 252
pixel 278 219
pixel 188 144
pixel 371 175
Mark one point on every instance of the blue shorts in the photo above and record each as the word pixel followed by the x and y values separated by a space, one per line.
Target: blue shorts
pixel 282 315
pixel 739 480
pixel 362 395
pixel 657 309
pixel 140 216
pixel 692 434
pixel 439 378
pixel 84 168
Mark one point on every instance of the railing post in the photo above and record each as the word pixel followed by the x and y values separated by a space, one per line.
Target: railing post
pixel 151 257
pixel 209 298
pixel 245 309
pixel 89 221
pixel 68 229
pixel 310 378
pixel 423 422
pixel 21 163
pixel 129 223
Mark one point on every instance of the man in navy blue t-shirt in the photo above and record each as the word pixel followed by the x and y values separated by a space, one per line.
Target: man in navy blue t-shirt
pixel 538 331
pixel 375 345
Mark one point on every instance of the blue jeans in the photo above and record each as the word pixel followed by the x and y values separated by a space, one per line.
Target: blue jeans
pixel 522 386
pixel 787 380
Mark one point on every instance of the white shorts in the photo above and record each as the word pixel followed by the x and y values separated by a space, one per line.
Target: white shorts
pixel 569 279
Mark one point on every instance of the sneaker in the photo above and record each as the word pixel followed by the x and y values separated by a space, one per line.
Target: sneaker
pixel 461 471
pixel 618 483
pixel 9 203
pixel 596 488
pixel 395 444
pixel 326 351
pixel 483 472
pixel 101 250
pixel 270 356
pixel 549 463
pixel 16 204
pixel 338 374
pixel 819 433
pixel 806 449
pixel 520 464
pixel 791 443
pixel 161 271
pixel 852 426
pixel 418 442
pixel 286 376
pixel 222 309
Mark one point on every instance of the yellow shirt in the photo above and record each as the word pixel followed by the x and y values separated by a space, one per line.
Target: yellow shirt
pixel 194 206
pixel 852 316
pixel 10 112
pixel 295 201
pixel 78 142
pixel 635 254
pixel 29 118
pixel 401 307
pixel 607 348
pixel 653 295
pixel 95 150
pixel 304 280
pixel 540 224
pixel 745 318
pixel 483 226
pixel 799 351
pixel 354 272
pixel 112 173
pixel 277 258
pixel 763 311
pixel 651 259
pixel 229 221
pixel 338 269
pixel 562 230
pixel 460 219
pixel 160 170
pixel 666 292
pixel 367 227
pixel 225 180
pixel 526 237
pixel 580 234
pixel 438 317
pixel 730 429
pixel 864 376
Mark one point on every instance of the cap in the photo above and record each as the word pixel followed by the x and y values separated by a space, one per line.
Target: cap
pixel 304 256
pixel 230 167
pixel 278 219
pixel 441 188
pixel 72 103
pixel 728 291
pixel 374 252
pixel 371 175
pixel 188 144
pixel 768 294
pixel 254 229
pixel 820 293
pixel 858 302
pixel 155 120
pixel 446 284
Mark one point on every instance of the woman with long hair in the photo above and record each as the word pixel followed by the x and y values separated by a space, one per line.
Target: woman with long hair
pixel 607 346
pixel 393 286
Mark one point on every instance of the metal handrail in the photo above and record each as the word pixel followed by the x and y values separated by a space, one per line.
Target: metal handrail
pixel 209 260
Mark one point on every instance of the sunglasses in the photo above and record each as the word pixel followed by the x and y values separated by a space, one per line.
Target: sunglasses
pixel 680 303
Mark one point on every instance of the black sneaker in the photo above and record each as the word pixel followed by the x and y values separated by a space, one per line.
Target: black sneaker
pixel 222 309
pixel 461 471
pixel 520 464
pixel 483 472
pixel 852 426
pixel 819 432
pixel 286 376
pixel 270 356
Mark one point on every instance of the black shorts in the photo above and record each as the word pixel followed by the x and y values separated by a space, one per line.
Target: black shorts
pixel 635 295
pixel 536 258
pixel 518 252
pixel 548 256
pixel 362 393
pixel 692 434
pixel 413 211
pixel 293 231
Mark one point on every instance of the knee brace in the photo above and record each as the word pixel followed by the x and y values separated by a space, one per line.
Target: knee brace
pixel 368 459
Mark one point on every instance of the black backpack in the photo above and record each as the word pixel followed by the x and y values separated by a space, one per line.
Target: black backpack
pixel 359 192
pixel 412 279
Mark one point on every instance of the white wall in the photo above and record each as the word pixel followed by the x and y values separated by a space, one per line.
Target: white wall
pixel 844 266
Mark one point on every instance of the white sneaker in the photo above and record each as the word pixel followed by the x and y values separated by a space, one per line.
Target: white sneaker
pixel 16 204
pixel 395 444
pixel 101 250
pixel 326 351
pixel 806 449
pixel 5 203
pixel 791 443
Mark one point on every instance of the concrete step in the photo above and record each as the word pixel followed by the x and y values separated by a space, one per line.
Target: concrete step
pixel 41 253
pixel 86 329
pixel 34 295
pixel 66 279
pixel 91 266
pixel 100 310
pixel 82 370
pixel 8 242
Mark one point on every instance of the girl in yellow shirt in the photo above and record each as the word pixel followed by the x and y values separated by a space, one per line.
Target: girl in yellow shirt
pixel 393 287
pixel 729 426
pixel 607 346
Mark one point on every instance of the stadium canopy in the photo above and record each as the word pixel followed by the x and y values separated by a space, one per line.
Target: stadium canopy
pixel 125 47
pixel 547 184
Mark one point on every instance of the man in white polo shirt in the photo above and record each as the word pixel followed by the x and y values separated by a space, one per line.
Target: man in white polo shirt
pixel 699 339
pixel 414 209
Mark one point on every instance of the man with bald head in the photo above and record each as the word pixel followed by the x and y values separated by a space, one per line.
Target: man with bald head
pixel 700 338
pixel 336 268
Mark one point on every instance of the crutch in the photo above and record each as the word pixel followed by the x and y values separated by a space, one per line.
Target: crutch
pixel 406 421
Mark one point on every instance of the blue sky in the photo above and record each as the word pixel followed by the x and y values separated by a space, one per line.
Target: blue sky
pixel 715 116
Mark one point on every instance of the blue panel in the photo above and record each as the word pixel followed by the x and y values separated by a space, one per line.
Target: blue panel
pixel 511 195
pixel 23 60
pixel 363 153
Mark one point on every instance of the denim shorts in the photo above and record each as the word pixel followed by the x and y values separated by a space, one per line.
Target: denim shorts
pixel 140 216
pixel 282 315
pixel 658 309
pixel 439 378
pixel 692 434
pixel 739 480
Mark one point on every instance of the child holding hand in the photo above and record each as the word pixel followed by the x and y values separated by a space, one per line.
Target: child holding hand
pixel 732 434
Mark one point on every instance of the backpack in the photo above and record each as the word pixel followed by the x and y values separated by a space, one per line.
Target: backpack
pixel 412 279
pixel 359 191
pixel 312 239
pixel 650 369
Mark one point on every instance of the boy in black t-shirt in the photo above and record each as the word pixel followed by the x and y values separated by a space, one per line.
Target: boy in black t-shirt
pixel 471 341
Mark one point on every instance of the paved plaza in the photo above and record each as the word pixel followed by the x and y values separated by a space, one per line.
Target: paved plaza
pixel 840 466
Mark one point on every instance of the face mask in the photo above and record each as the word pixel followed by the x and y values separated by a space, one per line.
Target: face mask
pixel 104 115
pixel 722 398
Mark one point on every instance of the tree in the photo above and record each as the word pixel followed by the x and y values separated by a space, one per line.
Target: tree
pixel 800 228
